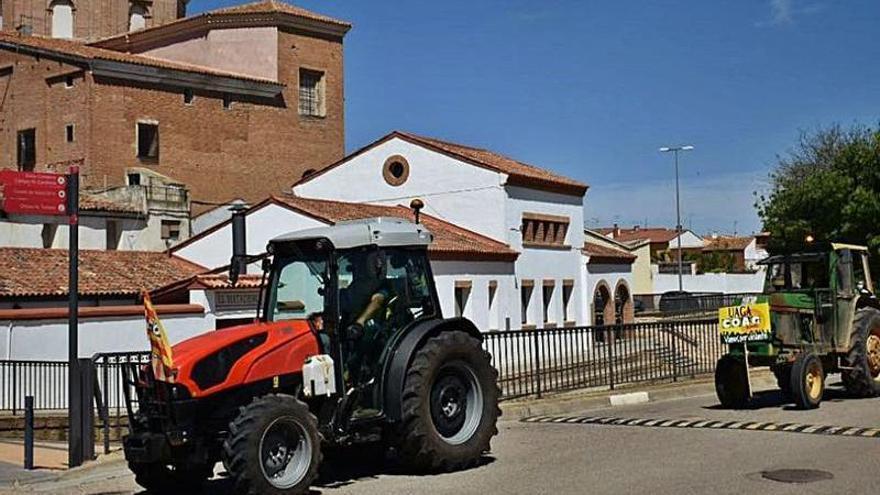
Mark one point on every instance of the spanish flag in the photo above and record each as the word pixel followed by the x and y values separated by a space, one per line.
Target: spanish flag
pixel 160 349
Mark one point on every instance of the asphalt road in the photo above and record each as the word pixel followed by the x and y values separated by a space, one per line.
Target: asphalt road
pixel 537 458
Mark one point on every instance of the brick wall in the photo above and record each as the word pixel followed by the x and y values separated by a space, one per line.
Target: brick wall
pixel 93 19
pixel 255 148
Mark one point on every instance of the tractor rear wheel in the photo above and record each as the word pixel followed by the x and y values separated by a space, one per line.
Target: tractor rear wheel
pixel 807 381
pixel 450 404
pixel 156 477
pixel 731 382
pixel 861 377
pixel 273 447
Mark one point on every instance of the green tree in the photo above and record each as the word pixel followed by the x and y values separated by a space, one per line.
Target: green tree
pixel 827 186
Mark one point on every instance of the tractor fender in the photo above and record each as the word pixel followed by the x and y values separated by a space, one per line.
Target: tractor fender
pixel 403 353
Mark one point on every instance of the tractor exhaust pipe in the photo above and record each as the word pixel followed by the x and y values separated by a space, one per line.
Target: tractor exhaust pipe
pixel 238 263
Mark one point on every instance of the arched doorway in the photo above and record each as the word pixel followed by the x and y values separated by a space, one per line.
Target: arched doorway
pixel 623 304
pixel 603 308
pixel 62 18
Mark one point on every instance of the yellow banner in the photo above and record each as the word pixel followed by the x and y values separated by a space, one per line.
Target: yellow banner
pixel 745 323
pixel 160 349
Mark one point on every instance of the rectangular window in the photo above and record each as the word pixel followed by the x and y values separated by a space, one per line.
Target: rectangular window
pixel 311 93
pixel 541 230
pixel 462 296
pixel 548 289
pixel 494 324
pixel 48 234
pixel 68 132
pixel 113 232
pixel 148 141
pixel 187 96
pixel 567 289
pixel 171 229
pixel 68 82
pixel 27 150
pixel 227 102
pixel 526 289
pixel 134 179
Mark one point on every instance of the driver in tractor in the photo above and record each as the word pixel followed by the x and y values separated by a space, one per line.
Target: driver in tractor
pixel 362 306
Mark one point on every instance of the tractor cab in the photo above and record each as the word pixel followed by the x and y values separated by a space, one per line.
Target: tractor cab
pixel 361 286
pixel 813 294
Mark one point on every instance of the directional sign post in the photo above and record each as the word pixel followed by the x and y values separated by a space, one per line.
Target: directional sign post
pixel 37 193
pixel 33 193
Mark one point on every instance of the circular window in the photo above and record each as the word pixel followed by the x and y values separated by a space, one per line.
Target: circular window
pixel 396 170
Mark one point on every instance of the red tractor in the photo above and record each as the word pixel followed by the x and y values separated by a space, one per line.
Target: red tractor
pixel 349 346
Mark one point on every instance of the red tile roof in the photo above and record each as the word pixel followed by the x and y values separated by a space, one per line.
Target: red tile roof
pixel 450 241
pixel 88 53
pixel 221 281
pixel 94 203
pixel 607 255
pixel 32 272
pixel 519 173
pixel 728 243
pixel 653 234
pixel 263 8
pixel 272 7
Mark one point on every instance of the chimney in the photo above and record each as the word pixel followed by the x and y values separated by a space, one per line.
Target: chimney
pixel 238 263
pixel 615 232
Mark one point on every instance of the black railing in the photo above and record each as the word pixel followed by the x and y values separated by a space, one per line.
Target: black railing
pixel 529 363
pixel 537 362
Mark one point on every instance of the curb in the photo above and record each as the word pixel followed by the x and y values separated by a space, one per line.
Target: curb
pixel 604 397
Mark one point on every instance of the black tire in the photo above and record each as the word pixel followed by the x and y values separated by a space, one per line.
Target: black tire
pixel 263 431
pixel 731 382
pixel 161 478
pixel 807 381
pixel 450 404
pixel 783 380
pixel 862 374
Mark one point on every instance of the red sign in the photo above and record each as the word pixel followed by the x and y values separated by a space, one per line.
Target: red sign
pixel 33 193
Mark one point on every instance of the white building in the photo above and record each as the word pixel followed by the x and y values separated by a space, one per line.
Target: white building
pixel 537 213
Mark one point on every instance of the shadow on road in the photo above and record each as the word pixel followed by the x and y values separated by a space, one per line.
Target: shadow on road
pixel 339 468
pixel 766 399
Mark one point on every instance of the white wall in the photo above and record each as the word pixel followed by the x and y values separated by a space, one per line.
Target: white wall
pixel 689 240
pixel 446 273
pixel 728 283
pixel 452 190
pixel 215 249
pixel 47 339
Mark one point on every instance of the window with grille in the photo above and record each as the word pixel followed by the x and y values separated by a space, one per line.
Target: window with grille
pixel 148 141
pixel 27 150
pixel 311 93
pixel 544 230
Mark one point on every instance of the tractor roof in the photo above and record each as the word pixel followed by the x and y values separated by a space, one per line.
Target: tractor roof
pixel 381 231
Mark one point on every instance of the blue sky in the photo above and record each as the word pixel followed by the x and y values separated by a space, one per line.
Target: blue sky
pixel 591 89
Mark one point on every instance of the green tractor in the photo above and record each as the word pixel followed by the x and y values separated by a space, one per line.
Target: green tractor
pixel 817 315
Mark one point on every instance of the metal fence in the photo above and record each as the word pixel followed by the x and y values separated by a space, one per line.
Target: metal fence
pixel 536 362
pixel 529 363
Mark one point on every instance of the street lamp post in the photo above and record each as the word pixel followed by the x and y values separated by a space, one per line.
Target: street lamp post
pixel 678 229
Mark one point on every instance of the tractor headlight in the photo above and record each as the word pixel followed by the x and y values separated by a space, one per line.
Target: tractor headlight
pixel 214 368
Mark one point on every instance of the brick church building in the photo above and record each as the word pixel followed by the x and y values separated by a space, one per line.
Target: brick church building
pixel 235 103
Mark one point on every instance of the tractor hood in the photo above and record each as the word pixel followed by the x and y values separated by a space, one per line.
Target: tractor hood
pixel 233 356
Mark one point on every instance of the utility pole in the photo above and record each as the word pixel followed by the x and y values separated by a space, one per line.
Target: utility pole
pixel 678 228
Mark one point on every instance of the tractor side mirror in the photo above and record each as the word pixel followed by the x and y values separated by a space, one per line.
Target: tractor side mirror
pixel 266 265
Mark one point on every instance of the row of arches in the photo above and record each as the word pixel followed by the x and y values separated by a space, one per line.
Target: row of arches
pixel 62 16
pixel 612 308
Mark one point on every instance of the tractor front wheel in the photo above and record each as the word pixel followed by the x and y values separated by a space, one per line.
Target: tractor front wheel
pixel 157 477
pixel 807 381
pixel 732 382
pixel 450 404
pixel 273 447
pixel 861 377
